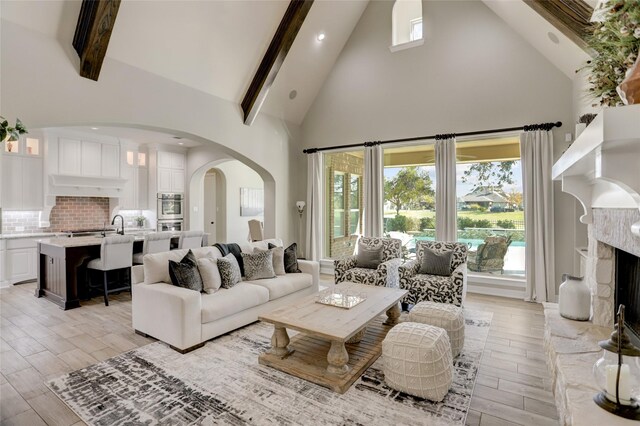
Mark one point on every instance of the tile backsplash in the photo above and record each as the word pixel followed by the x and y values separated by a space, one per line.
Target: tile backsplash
pixel 69 213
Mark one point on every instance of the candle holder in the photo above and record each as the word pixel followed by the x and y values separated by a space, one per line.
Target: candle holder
pixel 617 373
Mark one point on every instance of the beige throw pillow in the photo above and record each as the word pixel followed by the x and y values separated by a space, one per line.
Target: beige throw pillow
pixel 211 280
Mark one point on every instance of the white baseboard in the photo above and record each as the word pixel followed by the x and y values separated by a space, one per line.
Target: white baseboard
pixel 512 293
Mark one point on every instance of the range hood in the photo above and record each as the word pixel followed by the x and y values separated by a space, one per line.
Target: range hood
pixel 602 167
pixel 86 186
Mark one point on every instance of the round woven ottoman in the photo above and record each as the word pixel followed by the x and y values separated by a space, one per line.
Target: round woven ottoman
pixel 416 359
pixel 443 315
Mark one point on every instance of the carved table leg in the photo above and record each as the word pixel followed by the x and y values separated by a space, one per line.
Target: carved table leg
pixel 280 342
pixel 337 358
pixel 393 313
pixel 356 338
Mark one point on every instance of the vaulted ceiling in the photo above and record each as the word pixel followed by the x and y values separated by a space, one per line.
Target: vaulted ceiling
pixel 216 46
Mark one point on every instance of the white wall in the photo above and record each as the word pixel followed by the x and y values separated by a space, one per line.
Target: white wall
pixel 238 176
pixel 41 85
pixel 472 73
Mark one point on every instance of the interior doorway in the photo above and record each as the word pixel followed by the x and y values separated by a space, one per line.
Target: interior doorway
pixel 214 207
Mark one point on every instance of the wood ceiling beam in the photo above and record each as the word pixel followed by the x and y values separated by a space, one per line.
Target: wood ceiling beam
pixel 570 17
pixel 93 31
pixel 274 58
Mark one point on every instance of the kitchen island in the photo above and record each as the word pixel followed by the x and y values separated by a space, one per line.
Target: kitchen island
pixel 62 267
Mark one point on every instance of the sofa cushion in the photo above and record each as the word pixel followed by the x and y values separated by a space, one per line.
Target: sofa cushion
pixel 278 258
pixel 228 301
pixel 291 259
pixel 433 263
pixel 156 265
pixel 283 285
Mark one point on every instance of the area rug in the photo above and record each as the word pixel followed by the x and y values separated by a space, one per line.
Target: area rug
pixel 222 383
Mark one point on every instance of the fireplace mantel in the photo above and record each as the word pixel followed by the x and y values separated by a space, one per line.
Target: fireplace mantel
pixel 602 167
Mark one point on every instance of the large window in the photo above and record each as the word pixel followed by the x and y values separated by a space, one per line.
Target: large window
pixel 343 202
pixel 406 23
pixel 490 210
pixel 409 195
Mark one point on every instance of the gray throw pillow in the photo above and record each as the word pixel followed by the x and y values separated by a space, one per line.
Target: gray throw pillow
pixel 368 256
pixel 259 265
pixel 278 258
pixel 185 273
pixel 229 270
pixel 291 259
pixel 433 263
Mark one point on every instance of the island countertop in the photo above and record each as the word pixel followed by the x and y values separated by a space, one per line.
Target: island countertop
pixel 81 241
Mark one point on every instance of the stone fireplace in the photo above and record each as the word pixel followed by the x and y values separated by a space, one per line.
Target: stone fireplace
pixel 601 170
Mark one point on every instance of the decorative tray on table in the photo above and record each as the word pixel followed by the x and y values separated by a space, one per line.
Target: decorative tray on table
pixel 341 298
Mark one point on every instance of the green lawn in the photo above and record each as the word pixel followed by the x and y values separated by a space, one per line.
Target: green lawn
pixel 475 215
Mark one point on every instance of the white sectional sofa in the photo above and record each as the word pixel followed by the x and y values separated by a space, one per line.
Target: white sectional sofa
pixel 185 319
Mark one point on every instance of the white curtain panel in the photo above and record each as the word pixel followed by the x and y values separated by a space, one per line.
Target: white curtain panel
pixel 314 206
pixel 373 191
pixel 446 214
pixel 536 151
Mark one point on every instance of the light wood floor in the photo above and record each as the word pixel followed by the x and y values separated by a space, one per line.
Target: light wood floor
pixel 38 341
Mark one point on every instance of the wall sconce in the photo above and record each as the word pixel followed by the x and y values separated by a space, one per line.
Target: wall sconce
pixel 300 206
pixel 617 373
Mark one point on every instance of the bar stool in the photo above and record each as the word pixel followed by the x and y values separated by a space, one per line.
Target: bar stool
pixel 190 239
pixel 156 242
pixel 115 254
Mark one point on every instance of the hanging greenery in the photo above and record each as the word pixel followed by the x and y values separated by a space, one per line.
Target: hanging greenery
pixel 616 42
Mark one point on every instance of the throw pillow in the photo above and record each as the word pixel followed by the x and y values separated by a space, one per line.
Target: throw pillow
pixel 229 271
pixel 211 280
pixel 433 263
pixel 291 259
pixel 258 265
pixel 278 259
pixel 368 257
pixel 185 273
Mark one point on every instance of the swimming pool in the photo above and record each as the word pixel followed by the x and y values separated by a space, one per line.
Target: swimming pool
pixel 475 242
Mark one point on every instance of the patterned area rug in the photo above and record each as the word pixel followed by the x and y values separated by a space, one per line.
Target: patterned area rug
pixel 222 383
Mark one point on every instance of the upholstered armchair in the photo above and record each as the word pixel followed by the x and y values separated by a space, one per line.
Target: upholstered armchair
pixel 490 255
pixel 435 288
pixel 386 274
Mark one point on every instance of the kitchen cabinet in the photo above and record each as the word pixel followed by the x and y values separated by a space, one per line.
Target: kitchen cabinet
pixel 69 157
pixel 22 183
pixel 20 260
pixel 110 160
pixel 170 171
pixel 136 191
pixel 91 158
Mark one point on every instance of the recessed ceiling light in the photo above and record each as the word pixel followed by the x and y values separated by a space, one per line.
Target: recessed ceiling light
pixel 293 94
pixel 321 36
pixel 94 128
pixel 554 38
pixel 180 143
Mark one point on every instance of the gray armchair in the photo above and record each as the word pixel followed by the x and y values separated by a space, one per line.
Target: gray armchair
pixel 436 288
pixel 386 274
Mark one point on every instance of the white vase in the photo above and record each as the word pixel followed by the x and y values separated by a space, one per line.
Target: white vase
pixel 575 298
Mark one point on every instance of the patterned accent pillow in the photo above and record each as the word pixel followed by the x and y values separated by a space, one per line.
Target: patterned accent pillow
pixel 278 258
pixel 433 263
pixel 185 273
pixel 229 271
pixel 259 265
pixel 291 259
pixel 369 256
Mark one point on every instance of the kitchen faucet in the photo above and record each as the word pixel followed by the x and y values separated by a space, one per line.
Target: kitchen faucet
pixel 121 231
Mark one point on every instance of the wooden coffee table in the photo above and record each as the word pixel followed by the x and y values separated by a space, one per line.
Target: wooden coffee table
pixel 335 345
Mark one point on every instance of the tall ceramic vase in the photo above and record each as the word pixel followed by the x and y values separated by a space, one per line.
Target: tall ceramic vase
pixel 575 298
pixel 629 89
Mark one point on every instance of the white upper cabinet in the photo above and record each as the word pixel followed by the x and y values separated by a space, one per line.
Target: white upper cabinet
pixel 32 184
pixel 136 190
pixel 110 160
pixel 170 171
pixel 70 157
pixel 91 158
pixel 22 176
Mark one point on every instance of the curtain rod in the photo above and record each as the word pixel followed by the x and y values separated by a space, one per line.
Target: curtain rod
pixel 542 126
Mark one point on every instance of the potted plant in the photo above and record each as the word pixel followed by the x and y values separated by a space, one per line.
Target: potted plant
pixel 140 221
pixel 11 134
